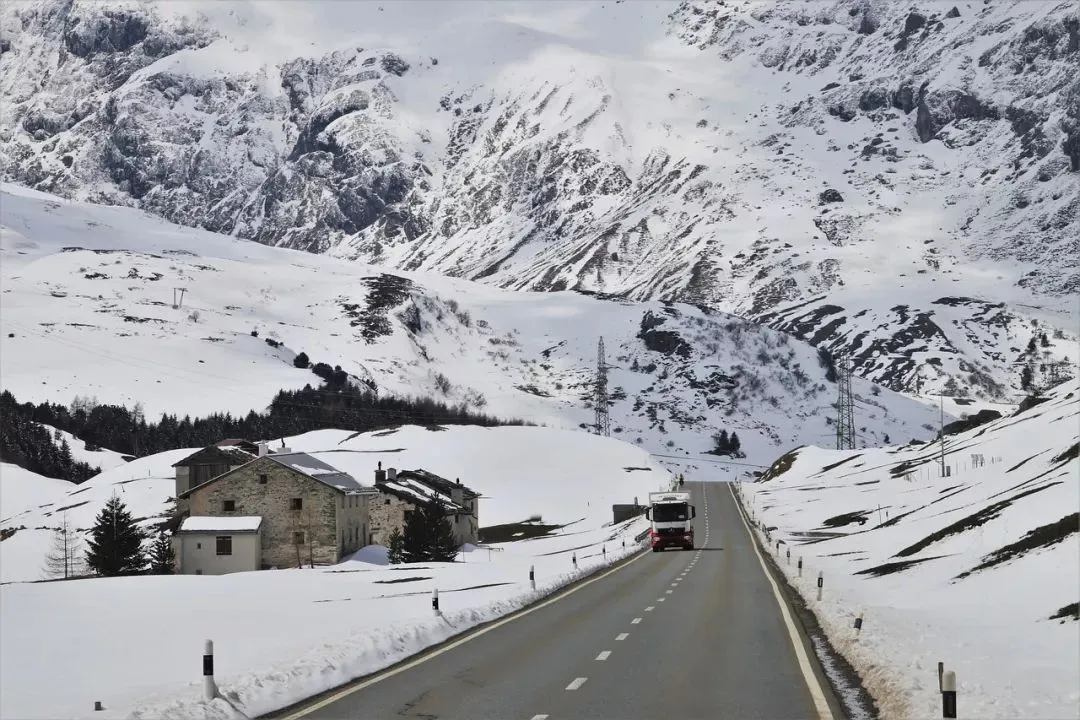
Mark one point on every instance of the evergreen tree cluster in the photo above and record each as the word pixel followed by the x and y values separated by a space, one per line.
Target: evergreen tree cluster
pixel 427 537
pixel 291 412
pixel 728 445
pixel 25 443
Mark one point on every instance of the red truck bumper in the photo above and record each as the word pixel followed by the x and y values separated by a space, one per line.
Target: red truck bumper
pixel 663 542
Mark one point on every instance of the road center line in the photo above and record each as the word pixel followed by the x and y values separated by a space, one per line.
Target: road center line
pixel 578 682
pixel 650 608
pixel 622 636
pixel 635 621
pixel 604 655
pixel 539 717
pixel 660 599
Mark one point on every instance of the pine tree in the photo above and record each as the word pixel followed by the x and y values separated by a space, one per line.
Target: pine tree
pixel 64 558
pixel 723 444
pixel 1044 340
pixel 116 542
pixel 397 543
pixel 1026 377
pixel 735 448
pixel 1031 345
pixel 162 556
pixel 428 536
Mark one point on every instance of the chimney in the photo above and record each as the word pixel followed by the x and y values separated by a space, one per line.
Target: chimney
pixel 262 448
pixel 380 474
pixel 391 474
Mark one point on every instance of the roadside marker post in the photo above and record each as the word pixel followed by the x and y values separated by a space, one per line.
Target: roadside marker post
pixel 820 583
pixel 209 686
pixel 948 694
pixel 435 599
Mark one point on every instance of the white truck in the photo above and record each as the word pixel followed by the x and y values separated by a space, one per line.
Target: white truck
pixel 671 515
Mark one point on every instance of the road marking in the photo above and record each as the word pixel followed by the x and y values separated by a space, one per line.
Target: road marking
pixel 660 599
pixel 604 655
pixel 812 684
pixel 622 636
pixel 674 584
pixel 578 682
pixel 457 643
pixel 539 717
pixel 667 592
pixel 650 608
pixel 635 621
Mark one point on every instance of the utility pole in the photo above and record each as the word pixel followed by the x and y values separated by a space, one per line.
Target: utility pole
pixel 941 431
pixel 178 297
pixel 603 420
pixel 845 406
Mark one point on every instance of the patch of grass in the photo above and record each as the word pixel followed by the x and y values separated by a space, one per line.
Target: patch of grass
pixel 511 532
pixel 1069 612
pixel 894 567
pixel 835 465
pixel 781 466
pixel 970 522
pixel 859 516
pixel 1040 537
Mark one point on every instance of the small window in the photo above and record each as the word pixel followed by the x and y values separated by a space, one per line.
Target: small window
pixel 298 537
pixel 198 572
pixel 198 546
pixel 262 479
pixel 228 506
pixel 298 503
pixel 387 501
pixel 224 544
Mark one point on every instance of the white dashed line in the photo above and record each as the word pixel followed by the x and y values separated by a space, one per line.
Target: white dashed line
pixel 622 636
pixel 650 608
pixel 667 592
pixel 674 584
pixel 660 599
pixel 578 682
pixel 539 717
pixel 635 621
pixel 604 655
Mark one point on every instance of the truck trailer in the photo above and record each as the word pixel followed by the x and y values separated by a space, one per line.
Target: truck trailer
pixel 671 515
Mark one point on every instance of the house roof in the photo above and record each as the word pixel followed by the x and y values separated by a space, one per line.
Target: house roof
pixel 415 486
pixel 306 465
pixel 216 455
pixel 217 523
pixel 439 483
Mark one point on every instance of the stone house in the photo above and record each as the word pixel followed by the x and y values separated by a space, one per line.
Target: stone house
pixel 401 490
pixel 206 464
pixel 311 513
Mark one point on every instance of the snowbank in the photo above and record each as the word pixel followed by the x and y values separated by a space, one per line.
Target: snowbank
pixel 904 549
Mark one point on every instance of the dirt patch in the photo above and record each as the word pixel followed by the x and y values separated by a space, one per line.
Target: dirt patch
pixel 512 532
pixel 1071 454
pixel 1040 537
pixel 835 465
pixel 859 516
pixel 894 567
pixel 416 578
pixel 781 466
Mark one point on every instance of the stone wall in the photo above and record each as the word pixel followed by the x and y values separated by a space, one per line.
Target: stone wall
pixel 385 513
pixel 272 500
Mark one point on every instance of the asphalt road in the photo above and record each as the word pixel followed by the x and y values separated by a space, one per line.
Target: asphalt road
pixel 678 634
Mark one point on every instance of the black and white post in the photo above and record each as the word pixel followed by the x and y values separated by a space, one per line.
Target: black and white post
pixel 573 559
pixel 800 567
pixel 209 686
pixel 948 694
pixel 858 625
pixel 435 599
pixel 820 583
pixel 532 576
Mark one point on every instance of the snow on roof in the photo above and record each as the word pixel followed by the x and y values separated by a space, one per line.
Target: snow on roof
pixel 316 468
pixel 415 490
pixel 232 523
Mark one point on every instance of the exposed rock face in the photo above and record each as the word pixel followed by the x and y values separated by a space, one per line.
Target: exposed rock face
pixel 557 175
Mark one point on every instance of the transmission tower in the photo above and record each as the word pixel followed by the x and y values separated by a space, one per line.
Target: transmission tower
pixel 845 406
pixel 603 420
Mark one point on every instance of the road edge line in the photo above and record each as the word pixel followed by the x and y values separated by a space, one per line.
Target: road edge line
pixel 450 643
pixel 813 685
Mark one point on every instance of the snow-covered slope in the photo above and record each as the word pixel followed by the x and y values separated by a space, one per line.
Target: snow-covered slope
pixel 345 621
pixel 967 569
pixel 654 150
pixel 88 295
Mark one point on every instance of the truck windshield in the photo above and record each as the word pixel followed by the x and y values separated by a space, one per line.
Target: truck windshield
pixel 670 512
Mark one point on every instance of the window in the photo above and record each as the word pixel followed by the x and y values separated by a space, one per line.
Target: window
pixel 298 537
pixel 198 572
pixel 298 503
pixel 387 501
pixel 262 478
pixel 198 546
pixel 228 506
pixel 224 544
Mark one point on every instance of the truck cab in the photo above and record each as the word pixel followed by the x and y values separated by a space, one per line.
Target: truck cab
pixel 671 516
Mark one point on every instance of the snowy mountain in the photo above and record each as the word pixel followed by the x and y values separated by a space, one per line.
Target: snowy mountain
pixel 899 182
pixel 88 310
pixel 979 569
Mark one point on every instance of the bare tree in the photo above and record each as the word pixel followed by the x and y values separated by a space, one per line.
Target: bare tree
pixel 65 556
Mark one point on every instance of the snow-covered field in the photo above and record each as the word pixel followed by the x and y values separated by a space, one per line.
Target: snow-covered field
pixel 285 634
pixel 98 321
pixel 928 600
